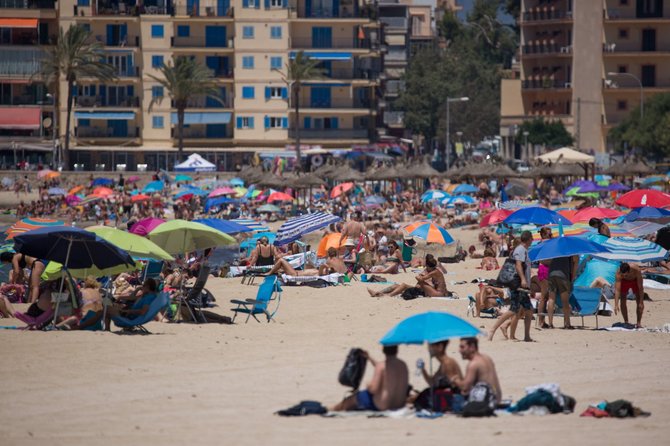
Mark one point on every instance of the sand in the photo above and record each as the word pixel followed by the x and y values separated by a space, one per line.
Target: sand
pixel 220 384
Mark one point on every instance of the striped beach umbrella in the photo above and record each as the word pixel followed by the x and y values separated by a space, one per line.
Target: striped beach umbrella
pixel 629 249
pixel 431 195
pixel 297 227
pixel 251 224
pixel 429 232
pixel 28 224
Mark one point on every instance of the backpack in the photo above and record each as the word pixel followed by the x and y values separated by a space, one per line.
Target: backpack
pixel 302 409
pixel 508 277
pixel 481 401
pixel 353 370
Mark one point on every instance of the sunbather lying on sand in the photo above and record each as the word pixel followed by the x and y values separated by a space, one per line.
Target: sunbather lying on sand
pixel 333 265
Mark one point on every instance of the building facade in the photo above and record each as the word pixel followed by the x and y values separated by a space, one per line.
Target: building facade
pixel 588 64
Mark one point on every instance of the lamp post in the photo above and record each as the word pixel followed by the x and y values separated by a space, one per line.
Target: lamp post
pixel 525 143
pixel 449 101
pixel 614 73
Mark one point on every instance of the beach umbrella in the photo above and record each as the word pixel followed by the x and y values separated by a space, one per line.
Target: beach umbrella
pixel 240 191
pixel 43 173
pixel 181 236
pixel 133 179
pixel 138 247
pixel 564 247
pixel 251 224
pixel 587 214
pixel 644 197
pixel 221 191
pixel 139 197
pixel 225 226
pixel 617 187
pixel 253 193
pixel 495 217
pixel 629 249
pixel 154 186
pixel 584 186
pixel 465 189
pixel 102 182
pixel 517 189
pixel 72 200
pixel 189 191
pixel 374 200
pixel 647 212
pixel 340 189
pixel 89 199
pixel 568 213
pixel 331 240
pixel 183 178
pixel 657 179
pixel 146 225
pixel 30 224
pixel 236 182
pixel 429 232
pixel 429 327
pixel 536 215
pixel 102 192
pixel 297 227
pixel 56 191
pixel 268 208
pixel 215 202
pixel 575 192
pixel 279 196
pixel 641 228
pixel 75 190
pixel 459 199
pixel 7 182
pixel 431 195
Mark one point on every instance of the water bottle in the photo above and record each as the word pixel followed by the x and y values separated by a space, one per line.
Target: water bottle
pixel 419 366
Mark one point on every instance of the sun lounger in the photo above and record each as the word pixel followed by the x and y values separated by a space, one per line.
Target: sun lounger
pixel 331 279
pixel 158 304
pixel 584 301
pixel 250 273
pixel 491 312
pixel 268 291
pixel 660 278
pixel 35 323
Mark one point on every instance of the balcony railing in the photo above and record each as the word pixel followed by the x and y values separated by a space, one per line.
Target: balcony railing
pixel 393 118
pixel 127 9
pixel 105 132
pixel 199 133
pixel 328 12
pixel 127 41
pixel 330 134
pixel 205 103
pixel 396 55
pixel 541 14
pixel 628 47
pixel 99 101
pixel 336 103
pixel 20 62
pixel 545 83
pixel 546 48
pixel 338 43
pixel 206 8
pixel 25 99
pixel 627 14
pixel 395 22
pixel 199 41
pixel 27 4
pixel 394 87
pixel 351 74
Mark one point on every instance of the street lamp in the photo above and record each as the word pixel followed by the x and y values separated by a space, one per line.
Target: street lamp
pixel 525 143
pixel 449 101
pixel 614 73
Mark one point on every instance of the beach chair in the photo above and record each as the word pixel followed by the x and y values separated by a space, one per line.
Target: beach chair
pixel 268 291
pixel 584 301
pixel 191 297
pixel 158 304
pixel 152 270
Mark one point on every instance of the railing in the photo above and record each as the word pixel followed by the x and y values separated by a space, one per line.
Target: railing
pixel 27 4
pixel 394 22
pixel 633 47
pixel 25 99
pixel 336 103
pixel 394 118
pixel 546 48
pixel 127 72
pixel 128 9
pixel 198 41
pixel 198 133
pixel 346 43
pixel 396 55
pixel 344 12
pixel 545 83
pixel 540 14
pixel 104 132
pixel 347 74
pixel 128 41
pixel 99 101
pixel 207 8
pixel 204 103
pixel 330 134
pixel 394 87
pixel 20 62
pixel 626 14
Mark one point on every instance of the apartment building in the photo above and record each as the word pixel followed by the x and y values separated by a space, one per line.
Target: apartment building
pixel 587 63
pixel 247 45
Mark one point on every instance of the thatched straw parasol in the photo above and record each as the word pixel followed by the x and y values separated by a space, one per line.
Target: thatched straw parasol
pixel 306 181
pixel 273 181
pixel 503 171
pixel 629 169
pixel 422 170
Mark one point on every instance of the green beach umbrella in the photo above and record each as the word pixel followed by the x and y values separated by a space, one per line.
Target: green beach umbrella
pixel 574 192
pixel 181 236
pixel 53 271
pixel 138 247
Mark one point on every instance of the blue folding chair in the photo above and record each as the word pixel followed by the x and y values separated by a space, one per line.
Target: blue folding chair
pixel 584 301
pixel 152 270
pixel 159 303
pixel 268 291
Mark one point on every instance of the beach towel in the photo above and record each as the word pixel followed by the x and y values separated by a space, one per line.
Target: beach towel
pixel 331 279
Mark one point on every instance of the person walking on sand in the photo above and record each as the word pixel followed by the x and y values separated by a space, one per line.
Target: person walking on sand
pixel 520 300
pixel 387 389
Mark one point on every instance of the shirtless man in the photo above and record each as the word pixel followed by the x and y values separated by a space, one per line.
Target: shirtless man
pixel 448 372
pixel 388 388
pixel 334 264
pixel 629 278
pixel 480 372
pixel 352 230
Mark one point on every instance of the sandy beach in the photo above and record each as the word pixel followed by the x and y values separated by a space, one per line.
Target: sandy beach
pixel 220 384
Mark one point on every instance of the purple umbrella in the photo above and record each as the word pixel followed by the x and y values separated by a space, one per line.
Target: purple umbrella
pixel 617 187
pixel 145 226
pixel 585 187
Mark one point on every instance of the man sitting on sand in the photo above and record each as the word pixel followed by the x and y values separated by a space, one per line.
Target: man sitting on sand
pixel 429 283
pixel 388 388
pixel 480 372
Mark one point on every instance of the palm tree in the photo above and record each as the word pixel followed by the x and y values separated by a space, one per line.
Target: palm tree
pixel 73 58
pixel 298 70
pixel 185 78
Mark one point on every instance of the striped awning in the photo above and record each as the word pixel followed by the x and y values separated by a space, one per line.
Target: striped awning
pixel 203 118
pixel 119 116
pixel 323 55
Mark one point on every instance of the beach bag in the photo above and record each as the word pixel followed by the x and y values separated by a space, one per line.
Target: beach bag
pixel 302 409
pixel 440 401
pixel 412 293
pixel 353 370
pixel 620 409
pixel 481 401
pixel 508 277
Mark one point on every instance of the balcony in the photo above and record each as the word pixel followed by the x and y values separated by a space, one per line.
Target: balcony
pixel 99 101
pixel 399 55
pixel 118 41
pixel 631 14
pixel 617 48
pixel 200 41
pixel 105 132
pixel 109 8
pixel 546 48
pixel 352 74
pixel 209 131
pixel 545 14
pixel 534 84
pixel 394 87
pixel 27 4
pixel 20 62
pixel 203 102
pixel 329 11
pixel 336 103
pixel 330 134
pixel 25 99
pixel 395 23
pixel 339 43
pixel 394 118
pixel 206 8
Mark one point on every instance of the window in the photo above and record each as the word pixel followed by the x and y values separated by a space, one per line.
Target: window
pixel 275 32
pixel 245 122
pixel 251 4
pixel 277 3
pixel 156 61
pixel 248 62
pixel 157 91
pixel 183 31
pixel 622 105
pixel 622 68
pixel 248 92
pixel 272 122
pixel 157 122
pixel 83 2
pixel 86 26
pixel 275 63
pixel 623 33
pixel 247 32
pixel 275 93
pixel 157 31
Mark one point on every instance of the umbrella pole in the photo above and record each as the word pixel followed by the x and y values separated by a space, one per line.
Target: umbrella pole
pixel 62 282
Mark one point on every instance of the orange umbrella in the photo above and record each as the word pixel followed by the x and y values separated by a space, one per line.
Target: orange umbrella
pixel 279 196
pixel 329 241
pixel 139 197
pixel 75 190
pixel 103 192
pixel 340 189
pixel 52 175
pixel 28 224
pixel 569 214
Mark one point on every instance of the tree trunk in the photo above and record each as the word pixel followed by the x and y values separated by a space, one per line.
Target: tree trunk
pixel 180 134
pixel 68 117
pixel 298 153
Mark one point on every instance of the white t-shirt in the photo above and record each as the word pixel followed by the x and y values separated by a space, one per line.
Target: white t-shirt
pixel 521 254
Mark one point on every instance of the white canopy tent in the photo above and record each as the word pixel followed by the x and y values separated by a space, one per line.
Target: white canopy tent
pixel 195 163
pixel 566 155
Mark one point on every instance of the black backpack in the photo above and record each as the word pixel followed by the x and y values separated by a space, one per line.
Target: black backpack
pixel 302 409
pixel 353 370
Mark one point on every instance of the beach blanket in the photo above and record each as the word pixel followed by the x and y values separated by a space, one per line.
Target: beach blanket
pixel 332 279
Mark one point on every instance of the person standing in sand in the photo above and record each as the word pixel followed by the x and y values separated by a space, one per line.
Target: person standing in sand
pixel 387 389
pixel 629 279
pixel 480 372
pixel 352 231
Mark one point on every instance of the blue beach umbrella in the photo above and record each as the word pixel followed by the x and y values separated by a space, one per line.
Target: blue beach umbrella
pixel 374 200
pixel 536 215
pixel 429 232
pixel 434 195
pixel 225 226
pixel 252 224
pixel 237 182
pixel 647 212
pixel 629 249
pixel 465 189
pixel 250 243
pixel 564 247
pixel 297 227
pixel 183 178
pixel 57 191
pixel 430 327
pixel 154 186
pixel 459 199
pixel 102 182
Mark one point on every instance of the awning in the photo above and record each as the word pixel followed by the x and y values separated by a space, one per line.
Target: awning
pixel 324 84
pixel 204 117
pixel 18 23
pixel 118 116
pixel 318 55
pixel 20 118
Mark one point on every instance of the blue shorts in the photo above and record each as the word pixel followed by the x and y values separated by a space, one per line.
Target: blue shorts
pixel 365 401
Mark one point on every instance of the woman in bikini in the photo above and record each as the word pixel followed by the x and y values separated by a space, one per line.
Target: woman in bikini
pixel 429 283
pixel 265 254
pixel 19 263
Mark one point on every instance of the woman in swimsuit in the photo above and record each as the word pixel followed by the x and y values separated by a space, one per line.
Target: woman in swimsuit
pixel 89 316
pixel 431 283
pixel 20 262
pixel 265 254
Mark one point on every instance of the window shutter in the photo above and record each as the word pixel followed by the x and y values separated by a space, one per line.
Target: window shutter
pixel 284 93
pixel 284 3
pixel 251 122
pixel 267 122
pixel 284 123
pixel 308 123
pixel 268 92
pixel 258 4
pixel 131 91
pixel 333 123
pixel 239 122
pixel 267 4
pixel 245 3
pixel 92 90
